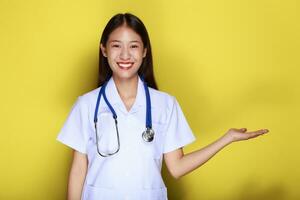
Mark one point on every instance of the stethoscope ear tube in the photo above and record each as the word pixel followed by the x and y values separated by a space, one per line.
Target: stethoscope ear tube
pixel 147 135
pixel 118 139
pixel 98 102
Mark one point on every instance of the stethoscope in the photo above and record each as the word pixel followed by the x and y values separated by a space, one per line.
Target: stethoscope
pixel 147 135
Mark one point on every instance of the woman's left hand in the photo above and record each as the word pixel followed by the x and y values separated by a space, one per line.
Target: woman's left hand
pixel 235 134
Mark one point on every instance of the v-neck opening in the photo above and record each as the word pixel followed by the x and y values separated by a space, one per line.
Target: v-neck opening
pixel 135 102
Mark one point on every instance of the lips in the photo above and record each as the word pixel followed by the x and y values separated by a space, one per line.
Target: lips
pixel 125 65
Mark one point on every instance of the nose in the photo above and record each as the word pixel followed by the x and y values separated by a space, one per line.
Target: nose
pixel 125 54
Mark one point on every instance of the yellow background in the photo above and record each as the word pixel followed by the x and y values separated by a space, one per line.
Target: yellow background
pixel 229 63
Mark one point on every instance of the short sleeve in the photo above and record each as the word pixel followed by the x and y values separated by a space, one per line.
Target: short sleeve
pixel 74 132
pixel 178 132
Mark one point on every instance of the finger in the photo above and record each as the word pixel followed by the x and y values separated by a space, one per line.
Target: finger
pixel 257 133
pixel 239 129
pixel 261 131
pixel 243 129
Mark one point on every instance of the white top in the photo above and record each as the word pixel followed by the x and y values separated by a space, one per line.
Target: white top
pixel 135 171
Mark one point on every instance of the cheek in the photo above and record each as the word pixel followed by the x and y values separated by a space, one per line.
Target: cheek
pixel 114 54
pixel 138 55
pixel 111 57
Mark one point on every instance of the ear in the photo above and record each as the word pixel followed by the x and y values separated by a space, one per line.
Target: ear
pixel 103 50
pixel 145 52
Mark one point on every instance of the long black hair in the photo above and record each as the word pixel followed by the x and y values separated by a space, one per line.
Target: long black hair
pixel 133 22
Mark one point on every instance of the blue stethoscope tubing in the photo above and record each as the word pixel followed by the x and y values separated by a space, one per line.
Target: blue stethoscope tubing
pixel 147 135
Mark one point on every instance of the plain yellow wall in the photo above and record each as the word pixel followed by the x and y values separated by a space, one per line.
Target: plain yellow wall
pixel 229 63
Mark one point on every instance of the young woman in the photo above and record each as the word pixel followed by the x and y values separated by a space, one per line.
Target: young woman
pixel 121 131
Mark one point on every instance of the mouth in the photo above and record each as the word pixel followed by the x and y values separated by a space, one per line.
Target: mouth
pixel 125 65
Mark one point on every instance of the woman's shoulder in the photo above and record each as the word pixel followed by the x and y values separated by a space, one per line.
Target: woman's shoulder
pixel 161 98
pixel 90 96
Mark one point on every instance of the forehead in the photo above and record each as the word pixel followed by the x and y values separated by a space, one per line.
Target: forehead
pixel 125 34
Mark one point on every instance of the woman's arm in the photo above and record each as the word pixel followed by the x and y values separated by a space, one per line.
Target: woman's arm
pixel 77 175
pixel 179 164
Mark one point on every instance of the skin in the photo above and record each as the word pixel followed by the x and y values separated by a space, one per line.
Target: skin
pixel 124 45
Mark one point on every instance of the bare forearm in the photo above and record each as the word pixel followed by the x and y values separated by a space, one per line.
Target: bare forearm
pixel 76 181
pixel 77 176
pixel 195 159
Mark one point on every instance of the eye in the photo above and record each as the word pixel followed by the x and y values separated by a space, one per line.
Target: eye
pixel 134 46
pixel 115 45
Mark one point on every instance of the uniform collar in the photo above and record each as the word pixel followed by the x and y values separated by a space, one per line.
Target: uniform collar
pixel 115 99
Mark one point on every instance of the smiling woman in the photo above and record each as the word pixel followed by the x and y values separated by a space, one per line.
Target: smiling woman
pixel 124 51
pixel 125 40
pixel 133 169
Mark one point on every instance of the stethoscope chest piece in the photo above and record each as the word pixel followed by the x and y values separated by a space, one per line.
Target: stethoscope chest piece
pixel 148 135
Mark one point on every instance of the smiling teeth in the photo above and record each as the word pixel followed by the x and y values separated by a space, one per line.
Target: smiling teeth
pixel 125 65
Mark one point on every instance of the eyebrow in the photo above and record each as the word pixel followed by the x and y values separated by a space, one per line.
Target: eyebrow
pixel 120 41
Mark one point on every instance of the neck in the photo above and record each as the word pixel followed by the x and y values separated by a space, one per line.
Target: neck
pixel 127 88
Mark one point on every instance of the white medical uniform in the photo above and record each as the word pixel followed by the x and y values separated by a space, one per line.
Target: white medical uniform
pixel 135 171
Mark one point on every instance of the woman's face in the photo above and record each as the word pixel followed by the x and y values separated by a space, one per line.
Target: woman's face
pixel 125 52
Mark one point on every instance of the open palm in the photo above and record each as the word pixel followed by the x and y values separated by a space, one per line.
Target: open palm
pixel 241 134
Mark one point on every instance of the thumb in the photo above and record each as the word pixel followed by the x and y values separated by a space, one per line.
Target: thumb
pixel 243 129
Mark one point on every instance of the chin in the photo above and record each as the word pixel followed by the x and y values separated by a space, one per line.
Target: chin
pixel 125 76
